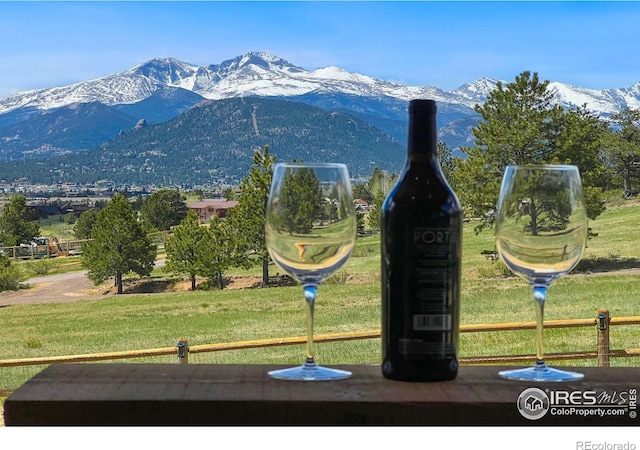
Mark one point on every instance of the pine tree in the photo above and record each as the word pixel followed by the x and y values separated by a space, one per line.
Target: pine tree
pixel 185 246
pixel 120 244
pixel 246 220
pixel 165 208
pixel 379 185
pixel 83 227
pixel 623 148
pixel 300 201
pixel 220 249
pixel 447 162
pixel 17 224
pixel 521 125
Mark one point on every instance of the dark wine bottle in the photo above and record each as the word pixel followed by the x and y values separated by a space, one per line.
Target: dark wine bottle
pixel 421 262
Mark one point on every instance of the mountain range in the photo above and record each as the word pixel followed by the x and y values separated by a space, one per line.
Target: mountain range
pixel 213 143
pixel 62 121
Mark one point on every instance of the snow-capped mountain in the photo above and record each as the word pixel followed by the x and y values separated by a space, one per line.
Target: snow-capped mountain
pixel 163 88
pixel 605 102
pixel 256 73
pixel 263 74
pixel 477 91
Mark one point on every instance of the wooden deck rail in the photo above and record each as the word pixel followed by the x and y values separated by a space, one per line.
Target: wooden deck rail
pixel 232 395
pixel 602 352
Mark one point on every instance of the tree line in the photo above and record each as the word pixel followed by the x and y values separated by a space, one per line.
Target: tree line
pixel 191 249
pixel 119 233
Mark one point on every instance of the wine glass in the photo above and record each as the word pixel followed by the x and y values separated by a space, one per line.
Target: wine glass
pixel 541 233
pixel 310 230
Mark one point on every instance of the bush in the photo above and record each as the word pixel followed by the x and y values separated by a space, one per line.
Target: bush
pixel 340 277
pixel 10 275
pixel 368 250
pixel 32 343
pixel 40 267
pixel 494 268
pixel 69 218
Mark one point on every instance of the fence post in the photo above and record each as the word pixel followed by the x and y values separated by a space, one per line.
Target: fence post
pixel 183 351
pixel 604 354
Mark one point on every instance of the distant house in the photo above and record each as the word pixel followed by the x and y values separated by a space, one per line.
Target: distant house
pixel 362 204
pixel 73 208
pixel 46 210
pixel 208 208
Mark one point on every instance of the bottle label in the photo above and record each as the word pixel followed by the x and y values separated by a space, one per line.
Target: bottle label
pixel 432 322
pixel 433 283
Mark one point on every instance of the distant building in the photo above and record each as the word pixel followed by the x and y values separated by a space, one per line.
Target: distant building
pixel 208 208
pixel 46 210
pixel 362 204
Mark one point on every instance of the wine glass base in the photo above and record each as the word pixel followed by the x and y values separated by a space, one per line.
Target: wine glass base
pixel 308 372
pixel 540 372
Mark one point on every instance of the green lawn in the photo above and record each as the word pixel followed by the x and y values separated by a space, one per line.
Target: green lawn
pixel 130 322
pixel 55 226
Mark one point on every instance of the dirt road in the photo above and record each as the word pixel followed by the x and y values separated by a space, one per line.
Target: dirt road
pixel 59 288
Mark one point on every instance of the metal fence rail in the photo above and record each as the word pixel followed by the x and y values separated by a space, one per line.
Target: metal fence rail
pixel 602 322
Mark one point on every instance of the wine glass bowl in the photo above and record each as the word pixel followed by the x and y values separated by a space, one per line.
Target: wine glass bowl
pixel 309 258
pixel 310 231
pixel 541 232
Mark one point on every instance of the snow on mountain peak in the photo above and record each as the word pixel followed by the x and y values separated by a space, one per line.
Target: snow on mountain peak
pixel 476 91
pixel 331 72
pixel 267 57
pixel 263 74
pixel 481 85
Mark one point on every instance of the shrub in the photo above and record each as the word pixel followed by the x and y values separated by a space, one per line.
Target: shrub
pixel 69 218
pixel 493 268
pixel 364 251
pixel 340 277
pixel 10 275
pixel 32 343
pixel 40 267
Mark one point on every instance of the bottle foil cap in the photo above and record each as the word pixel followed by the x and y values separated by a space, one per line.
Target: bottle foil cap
pixel 420 106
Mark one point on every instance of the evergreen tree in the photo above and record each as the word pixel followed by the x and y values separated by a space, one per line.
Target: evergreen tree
pixel 229 194
pixel 83 227
pixel 165 208
pixel 379 185
pixel 246 219
pixel 447 162
pixel 622 149
pixel 185 246
pixel 361 191
pixel 10 275
pixel 17 224
pixel 120 244
pixel 521 125
pixel 220 250
pixel 300 201
pixel 548 206
pixel 577 137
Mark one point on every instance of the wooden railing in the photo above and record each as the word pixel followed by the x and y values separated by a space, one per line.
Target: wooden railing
pixel 66 247
pixel 602 322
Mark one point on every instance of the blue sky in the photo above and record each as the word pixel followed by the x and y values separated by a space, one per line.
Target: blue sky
pixel 444 44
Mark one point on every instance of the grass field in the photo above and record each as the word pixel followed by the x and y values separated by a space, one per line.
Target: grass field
pixel 350 302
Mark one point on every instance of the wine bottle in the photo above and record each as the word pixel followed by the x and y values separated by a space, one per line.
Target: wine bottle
pixel 421 238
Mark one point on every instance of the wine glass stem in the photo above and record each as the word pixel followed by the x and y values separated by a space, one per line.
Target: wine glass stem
pixel 539 296
pixel 310 291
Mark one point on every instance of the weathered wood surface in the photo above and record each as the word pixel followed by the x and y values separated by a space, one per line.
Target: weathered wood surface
pixel 198 394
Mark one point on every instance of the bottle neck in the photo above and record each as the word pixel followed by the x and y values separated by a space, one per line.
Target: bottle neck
pixel 423 137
